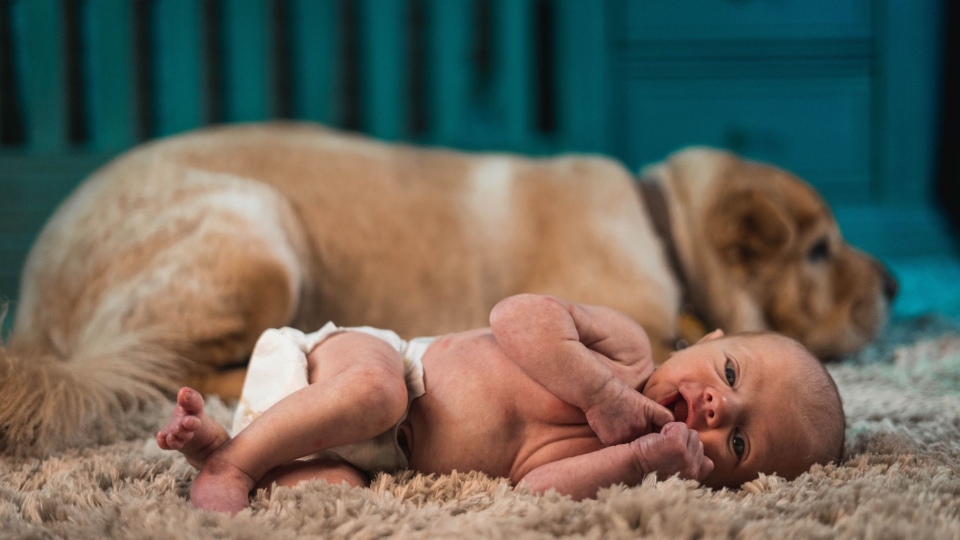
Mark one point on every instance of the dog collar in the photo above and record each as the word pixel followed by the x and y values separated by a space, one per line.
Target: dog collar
pixel 690 326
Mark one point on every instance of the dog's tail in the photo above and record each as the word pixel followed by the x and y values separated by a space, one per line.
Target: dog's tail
pixel 49 402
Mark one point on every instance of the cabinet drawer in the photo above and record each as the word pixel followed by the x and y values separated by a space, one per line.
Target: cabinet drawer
pixel 744 19
pixel 816 128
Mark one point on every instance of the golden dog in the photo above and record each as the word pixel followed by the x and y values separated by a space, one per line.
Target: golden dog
pixel 166 265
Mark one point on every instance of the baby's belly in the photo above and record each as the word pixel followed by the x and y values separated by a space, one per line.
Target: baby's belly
pixel 492 438
pixel 553 443
pixel 444 439
pixel 481 412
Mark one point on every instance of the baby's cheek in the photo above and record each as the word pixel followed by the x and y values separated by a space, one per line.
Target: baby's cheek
pixel 712 442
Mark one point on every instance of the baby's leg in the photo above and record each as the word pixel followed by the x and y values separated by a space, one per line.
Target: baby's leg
pixel 190 430
pixel 357 391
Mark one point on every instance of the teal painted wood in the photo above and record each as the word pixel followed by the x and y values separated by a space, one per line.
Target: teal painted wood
pixel 908 96
pixel 110 66
pixel 818 128
pixel 451 31
pixel 383 60
pixel 698 20
pixel 180 85
pixel 315 61
pixel 39 26
pixel 32 186
pixel 247 60
pixel 891 230
pixel 513 71
pixel 580 46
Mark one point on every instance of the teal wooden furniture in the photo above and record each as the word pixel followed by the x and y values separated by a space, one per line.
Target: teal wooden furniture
pixel 843 93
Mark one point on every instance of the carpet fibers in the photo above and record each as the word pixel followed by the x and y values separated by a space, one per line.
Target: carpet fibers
pixel 900 479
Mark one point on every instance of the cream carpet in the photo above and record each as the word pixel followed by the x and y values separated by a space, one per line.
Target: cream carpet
pixel 901 479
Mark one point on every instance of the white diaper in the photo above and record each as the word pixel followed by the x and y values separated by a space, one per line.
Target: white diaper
pixel 278 368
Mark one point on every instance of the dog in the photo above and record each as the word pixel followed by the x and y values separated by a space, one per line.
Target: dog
pixel 163 267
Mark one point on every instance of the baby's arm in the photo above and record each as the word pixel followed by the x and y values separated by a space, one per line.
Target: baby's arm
pixel 592 357
pixel 675 450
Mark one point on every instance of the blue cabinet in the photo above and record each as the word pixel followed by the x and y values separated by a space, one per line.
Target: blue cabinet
pixel 844 94
pixel 817 127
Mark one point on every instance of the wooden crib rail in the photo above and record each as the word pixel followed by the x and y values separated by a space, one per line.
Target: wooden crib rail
pixel 102 75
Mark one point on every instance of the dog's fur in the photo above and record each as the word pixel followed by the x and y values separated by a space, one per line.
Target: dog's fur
pixel 165 265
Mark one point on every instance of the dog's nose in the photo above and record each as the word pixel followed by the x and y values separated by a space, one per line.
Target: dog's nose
pixel 890 285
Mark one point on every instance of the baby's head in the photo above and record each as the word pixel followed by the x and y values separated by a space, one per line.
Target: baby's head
pixel 761 403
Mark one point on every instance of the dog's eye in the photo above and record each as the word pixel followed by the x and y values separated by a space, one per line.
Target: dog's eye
pixel 819 252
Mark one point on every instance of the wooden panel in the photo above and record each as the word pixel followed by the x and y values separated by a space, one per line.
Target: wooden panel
pixel 895 229
pixel 580 50
pixel 43 74
pixel 817 128
pixel 451 28
pixel 315 51
pixel 247 60
pixel 179 81
pixel 110 67
pixel 13 254
pixel 33 186
pixel 513 65
pixel 699 20
pixel 910 52
pixel 383 59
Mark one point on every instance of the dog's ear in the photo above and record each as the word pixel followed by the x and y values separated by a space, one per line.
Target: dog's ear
pixel 746 227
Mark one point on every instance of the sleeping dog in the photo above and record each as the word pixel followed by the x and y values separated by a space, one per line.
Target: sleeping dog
pixel 165 266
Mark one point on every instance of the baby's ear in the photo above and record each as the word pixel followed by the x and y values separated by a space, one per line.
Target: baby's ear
pixel 716 334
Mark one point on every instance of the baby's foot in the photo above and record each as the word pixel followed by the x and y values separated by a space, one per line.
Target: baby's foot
pixel 190 430
pixel 221 487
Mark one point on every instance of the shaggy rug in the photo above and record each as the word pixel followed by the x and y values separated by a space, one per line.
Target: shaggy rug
pixel 900 479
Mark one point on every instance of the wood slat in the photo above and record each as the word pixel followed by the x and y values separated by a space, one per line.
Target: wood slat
pixel 110 68
pixel 451 32
pixel 383 57
pixel 179 90
pixel 581 73
pixel 316 53
pixel 513 65
pixel 43 73
pixel 247 60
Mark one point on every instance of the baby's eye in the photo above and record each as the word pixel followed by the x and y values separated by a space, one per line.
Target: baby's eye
pixel 739 445
pixel 730 373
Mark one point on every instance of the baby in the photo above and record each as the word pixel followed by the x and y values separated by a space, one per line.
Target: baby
pixel 554 394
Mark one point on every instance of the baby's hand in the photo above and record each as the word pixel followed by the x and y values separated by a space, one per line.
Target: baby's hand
pixel 621 414
pixel 677 449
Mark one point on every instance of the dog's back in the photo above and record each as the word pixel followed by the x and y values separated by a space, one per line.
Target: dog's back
pixel 170 261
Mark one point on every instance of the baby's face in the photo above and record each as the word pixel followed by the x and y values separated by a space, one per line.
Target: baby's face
pixel 737 393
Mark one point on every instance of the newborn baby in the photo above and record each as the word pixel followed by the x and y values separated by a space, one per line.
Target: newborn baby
pixel 554 394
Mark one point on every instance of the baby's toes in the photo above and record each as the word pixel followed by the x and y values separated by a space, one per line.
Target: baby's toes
pixel 170 440
pixel 176 441
pixel 189 424
pixel 162 441
pixel 190 400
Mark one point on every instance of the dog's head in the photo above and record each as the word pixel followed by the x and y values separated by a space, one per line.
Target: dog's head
pixel 761 250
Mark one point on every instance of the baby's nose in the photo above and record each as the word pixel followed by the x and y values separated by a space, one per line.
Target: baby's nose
pixel 716 407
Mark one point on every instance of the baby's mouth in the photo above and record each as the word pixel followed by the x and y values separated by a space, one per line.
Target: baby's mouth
pixel 678 406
